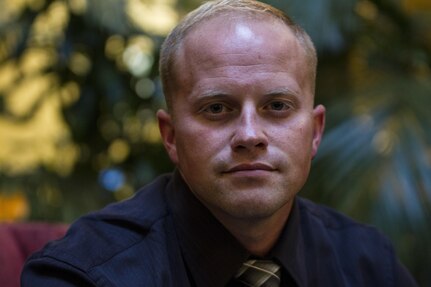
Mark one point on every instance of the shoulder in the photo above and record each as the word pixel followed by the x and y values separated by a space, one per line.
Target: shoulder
pixel 361 251
pixel 330 219
pixel 337 240
pixel 327 229
pixel 117 229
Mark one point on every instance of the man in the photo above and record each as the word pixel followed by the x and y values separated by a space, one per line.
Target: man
pixel 242 129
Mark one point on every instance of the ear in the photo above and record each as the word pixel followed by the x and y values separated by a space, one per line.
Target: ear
pixel 167 132
pixel 319 126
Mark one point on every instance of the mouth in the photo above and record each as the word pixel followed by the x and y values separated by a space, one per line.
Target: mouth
pixel 250 167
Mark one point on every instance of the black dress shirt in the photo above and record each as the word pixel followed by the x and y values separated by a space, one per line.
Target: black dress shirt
pixel 164 236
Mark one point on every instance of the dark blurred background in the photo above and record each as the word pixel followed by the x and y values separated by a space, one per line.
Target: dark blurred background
pixel 79 88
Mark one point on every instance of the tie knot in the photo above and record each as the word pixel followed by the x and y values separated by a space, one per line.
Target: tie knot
pixel 259 273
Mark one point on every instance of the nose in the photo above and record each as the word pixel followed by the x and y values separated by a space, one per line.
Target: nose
pixel 249 131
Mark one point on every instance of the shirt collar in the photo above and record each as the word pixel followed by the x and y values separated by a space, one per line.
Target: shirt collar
pixel 290 248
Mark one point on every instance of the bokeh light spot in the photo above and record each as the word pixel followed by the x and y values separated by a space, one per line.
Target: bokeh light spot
pixel 112 179
pixel 119 150
pixel 145 88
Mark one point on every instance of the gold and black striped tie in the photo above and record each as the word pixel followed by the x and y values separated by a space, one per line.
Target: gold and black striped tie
pixel 259 273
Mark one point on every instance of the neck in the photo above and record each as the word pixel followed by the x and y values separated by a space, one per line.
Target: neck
pixel 258 236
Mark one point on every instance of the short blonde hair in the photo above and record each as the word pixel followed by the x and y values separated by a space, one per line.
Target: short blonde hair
pixel 210 10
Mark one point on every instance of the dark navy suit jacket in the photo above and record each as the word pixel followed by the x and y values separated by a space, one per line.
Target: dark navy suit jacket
pixel 163 236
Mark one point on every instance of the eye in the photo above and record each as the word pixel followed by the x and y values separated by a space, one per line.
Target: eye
pixel 278 106
pixel 216 111
pixel 215 108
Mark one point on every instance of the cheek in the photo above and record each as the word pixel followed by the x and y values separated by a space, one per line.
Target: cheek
pixel 295 139
pixel 197 145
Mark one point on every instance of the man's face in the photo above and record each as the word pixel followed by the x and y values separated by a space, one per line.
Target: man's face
pixel 243 130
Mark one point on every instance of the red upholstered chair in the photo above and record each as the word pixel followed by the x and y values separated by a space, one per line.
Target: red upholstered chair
pixel 18 241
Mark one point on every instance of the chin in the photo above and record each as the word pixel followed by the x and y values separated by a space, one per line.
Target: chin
pixel 255 208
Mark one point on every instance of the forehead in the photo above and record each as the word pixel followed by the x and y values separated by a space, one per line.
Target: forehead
pixel 237 44
pixel 241 33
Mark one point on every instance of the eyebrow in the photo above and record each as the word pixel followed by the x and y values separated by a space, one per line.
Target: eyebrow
pixel 283 91
pixel 212 93
pixel 219 94
pixel 273 92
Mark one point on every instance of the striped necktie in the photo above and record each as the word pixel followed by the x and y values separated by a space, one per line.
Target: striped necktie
pixel 259 273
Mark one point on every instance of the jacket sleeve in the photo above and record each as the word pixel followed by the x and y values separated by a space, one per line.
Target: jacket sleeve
pixel 46 271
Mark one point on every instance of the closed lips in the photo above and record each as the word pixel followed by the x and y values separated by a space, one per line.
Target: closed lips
pixel 246 167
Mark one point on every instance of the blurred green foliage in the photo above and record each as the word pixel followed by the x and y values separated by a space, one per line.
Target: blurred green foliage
pixel 79 88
